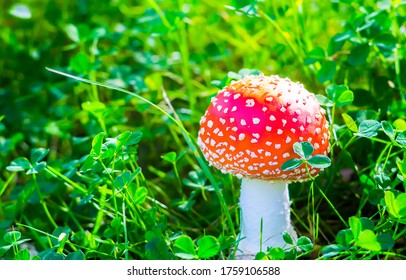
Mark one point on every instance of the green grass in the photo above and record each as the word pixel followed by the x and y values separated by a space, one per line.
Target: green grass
pixel 100 108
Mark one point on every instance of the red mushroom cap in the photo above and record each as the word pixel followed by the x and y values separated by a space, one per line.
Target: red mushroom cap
pixel 251 125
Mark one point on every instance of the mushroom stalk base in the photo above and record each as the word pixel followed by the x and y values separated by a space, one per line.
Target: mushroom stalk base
pixel 265 215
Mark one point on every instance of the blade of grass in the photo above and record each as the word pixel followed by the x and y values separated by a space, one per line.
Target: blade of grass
pixel 52 171
pixel 43 203
pixel 331 205
pixel 100 213
pixel 283 33
pixel 4 186
pixel 125 231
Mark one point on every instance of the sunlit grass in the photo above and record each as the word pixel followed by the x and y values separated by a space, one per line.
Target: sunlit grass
pixel 106 166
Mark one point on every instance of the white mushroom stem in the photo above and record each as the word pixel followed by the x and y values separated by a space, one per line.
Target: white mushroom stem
pixel 265 203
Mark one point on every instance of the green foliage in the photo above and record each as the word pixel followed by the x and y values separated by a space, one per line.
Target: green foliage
pixel 11 241
pixel 305 150
pixel 184 248
pixel 295 249
pixel 105 165
pixel 207 247
pixel 363 240
pixel 396 206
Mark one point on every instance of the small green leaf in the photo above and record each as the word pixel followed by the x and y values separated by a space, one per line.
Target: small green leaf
pixel 364 115
pixel 358 55
pixel 233 75
pixel 390 203
pixel 332 250
pixel 400 205
pixel 304 243
pixel 366 182
pixel 12 237
pixel 326 72
pixel 246 72
pixel 116 224
pixel 184 248
pixel 356 226
pixel 287 238
pixel 109 153
pixel 19 164
pixel 97 144
pixel 72 32
pixel 107 249
pixel 22 255
pixel 350 123
pixel 291 254
pixel 385 42
pixel 170 157
pixel 37 168
pixel 324 101
pixel 80 63
pixel 208 246
pixel 402 166
pixel 341 37
pixel 140 195
pixel 84 238
pixel 345 98
pixel 344 237
pixel 291 164
pixel 337 42
pixel 4 249
pixel 388 129
pixel 367 223
pixel 319 161
pixel 38 154
pixel 386 241
pixel 51 255
pixel 122 139
pixel 401 138
pixel 315 55
pixel 62 234
pixel 365 25
pixel 276 253
pixel 400 124
pixel 95 108
pixel 383 180
pixel 339 94
pixel 86 199
pixel 261 256
pixel 125 179
pixel 90 164
pixel 226 241
pixel 368 240
pixel 303 149
pixel 334 91
pixel 368 128
pixel 375 196
pixel 76 256
pixel 135 138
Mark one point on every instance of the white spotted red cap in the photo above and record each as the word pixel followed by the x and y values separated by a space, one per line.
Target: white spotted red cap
pixel 251 125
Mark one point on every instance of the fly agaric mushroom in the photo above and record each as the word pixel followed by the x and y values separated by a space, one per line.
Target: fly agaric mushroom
pixel 249 130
